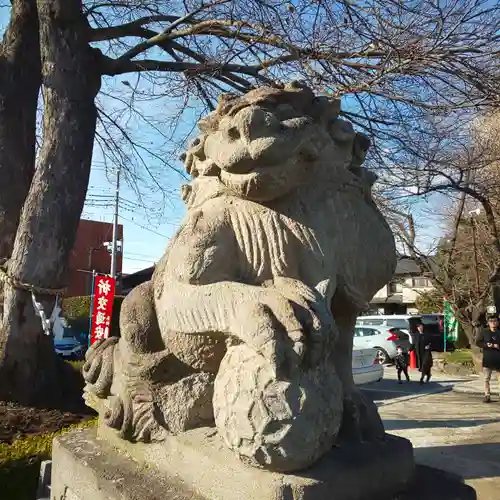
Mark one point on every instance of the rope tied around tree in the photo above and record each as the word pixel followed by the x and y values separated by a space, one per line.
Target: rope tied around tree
pixel 5 277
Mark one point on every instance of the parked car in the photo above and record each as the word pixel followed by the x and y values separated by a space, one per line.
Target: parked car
pixel 405 322
pixel 381 338
pixel 365 366
pixel 433 325
pixel 437 319
pixel 82 337
pixel 69 348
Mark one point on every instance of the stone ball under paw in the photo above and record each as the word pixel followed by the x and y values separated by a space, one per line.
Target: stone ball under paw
pixel 279 425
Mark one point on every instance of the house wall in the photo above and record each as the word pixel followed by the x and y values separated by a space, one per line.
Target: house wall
pixel 383 293
pixel 413 287
pixel 89 254
pixel 404 291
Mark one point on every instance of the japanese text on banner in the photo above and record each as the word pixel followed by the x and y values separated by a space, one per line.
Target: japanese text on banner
pixel 102 307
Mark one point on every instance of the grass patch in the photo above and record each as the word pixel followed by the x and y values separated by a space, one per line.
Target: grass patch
pixel 77 365
pixel 461 360
pixel 26 434
pixel 20 462
pixel 460 357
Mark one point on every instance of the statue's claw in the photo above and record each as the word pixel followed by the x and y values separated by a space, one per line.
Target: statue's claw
pixel 99 365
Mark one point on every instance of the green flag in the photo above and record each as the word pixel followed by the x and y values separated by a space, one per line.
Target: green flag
pixel 450 321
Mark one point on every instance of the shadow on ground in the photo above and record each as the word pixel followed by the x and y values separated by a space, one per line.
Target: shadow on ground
pixel 435 484
pixel 471 461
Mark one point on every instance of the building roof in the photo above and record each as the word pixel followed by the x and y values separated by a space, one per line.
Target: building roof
pixel 390 299
pixel 412 266
pixel 407 265
pixel 148 271
pixel 132 280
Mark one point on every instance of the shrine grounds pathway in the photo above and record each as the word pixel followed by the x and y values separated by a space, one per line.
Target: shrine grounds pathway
pixel 450 430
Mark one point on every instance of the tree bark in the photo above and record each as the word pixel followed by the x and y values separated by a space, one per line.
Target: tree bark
pixel 19 87
pixel 50 216
pixel 470 330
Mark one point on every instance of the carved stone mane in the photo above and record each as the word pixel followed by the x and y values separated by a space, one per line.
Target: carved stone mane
pixel 294 102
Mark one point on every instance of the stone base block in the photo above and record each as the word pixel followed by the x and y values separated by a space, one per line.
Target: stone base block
pixel 196 466
pixel 86 468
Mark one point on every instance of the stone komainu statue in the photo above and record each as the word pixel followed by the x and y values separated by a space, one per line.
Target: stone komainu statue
pixel 249 317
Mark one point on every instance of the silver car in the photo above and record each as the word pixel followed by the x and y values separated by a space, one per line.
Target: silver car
pixel 69 348
pixel 365 366
pixel 382 338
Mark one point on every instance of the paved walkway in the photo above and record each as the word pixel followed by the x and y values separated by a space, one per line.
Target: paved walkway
pixel 452 431
pixel 388 391
pixel 476 386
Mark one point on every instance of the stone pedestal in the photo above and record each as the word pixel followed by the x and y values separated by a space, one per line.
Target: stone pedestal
pixel 196 466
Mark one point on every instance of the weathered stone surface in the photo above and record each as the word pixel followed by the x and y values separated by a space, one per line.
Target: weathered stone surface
pixel 288 424
pixel 84 468
pixel 198 461
pixel 281 248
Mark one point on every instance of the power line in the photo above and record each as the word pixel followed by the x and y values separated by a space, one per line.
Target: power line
pixel 142 255
pixel 149 261
pixel 144 227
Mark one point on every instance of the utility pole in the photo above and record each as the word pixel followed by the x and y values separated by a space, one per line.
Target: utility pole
pixel 89 282
pixel 114 243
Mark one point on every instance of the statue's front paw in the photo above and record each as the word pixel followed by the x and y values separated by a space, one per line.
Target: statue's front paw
pixel 275 334
pixel 285 355
pixel 310 309
pixel 134 415
pixel 99 366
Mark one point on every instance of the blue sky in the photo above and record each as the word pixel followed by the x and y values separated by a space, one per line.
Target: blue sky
pixel 144 241
pixel 151 213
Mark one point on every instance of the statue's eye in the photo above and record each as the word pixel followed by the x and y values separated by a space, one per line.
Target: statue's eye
pixel 285 112
pixel 233 133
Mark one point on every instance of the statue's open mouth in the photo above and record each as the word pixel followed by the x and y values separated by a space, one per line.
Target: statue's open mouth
pixel 260 147
pixel 270 152
pixel 265 183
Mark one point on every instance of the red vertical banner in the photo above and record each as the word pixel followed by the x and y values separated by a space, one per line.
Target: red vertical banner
pixel 102 307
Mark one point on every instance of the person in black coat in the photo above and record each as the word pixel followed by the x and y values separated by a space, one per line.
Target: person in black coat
pixel 422 347
pixel 489 341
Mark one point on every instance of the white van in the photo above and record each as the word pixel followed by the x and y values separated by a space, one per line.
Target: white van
pixel 406 322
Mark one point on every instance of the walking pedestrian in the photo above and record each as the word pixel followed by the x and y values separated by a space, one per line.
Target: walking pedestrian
pixel 401 361
pixel 489 341
pixel 422 346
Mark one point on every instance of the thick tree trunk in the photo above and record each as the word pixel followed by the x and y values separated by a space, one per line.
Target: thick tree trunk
pixel 470 328
pixel 19 87
pixel 495 291
pixel 52 210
